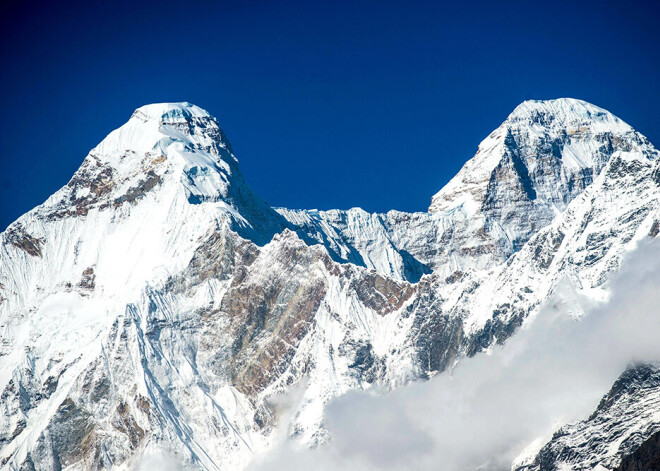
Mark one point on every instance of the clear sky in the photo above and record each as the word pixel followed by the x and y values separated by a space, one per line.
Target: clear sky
pixel 327 104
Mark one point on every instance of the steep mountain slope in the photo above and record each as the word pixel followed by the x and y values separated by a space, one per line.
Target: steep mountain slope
pixel 646 457
pixel 156 303
pixel 626 417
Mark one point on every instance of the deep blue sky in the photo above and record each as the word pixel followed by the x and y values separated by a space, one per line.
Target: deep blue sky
pixel 327 104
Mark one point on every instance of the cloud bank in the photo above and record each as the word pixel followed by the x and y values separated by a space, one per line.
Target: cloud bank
pixel 489 408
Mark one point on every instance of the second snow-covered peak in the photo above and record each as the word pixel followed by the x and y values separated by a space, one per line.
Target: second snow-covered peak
pixel 551 148
pixel 533 165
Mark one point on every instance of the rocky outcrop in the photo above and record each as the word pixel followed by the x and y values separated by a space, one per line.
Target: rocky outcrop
pixel 16 236
pixel 644 458
pixel 621 424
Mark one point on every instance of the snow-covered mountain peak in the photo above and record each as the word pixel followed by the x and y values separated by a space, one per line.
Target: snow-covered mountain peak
pixel 534 164
pixel 171 155
pixel 561 136
pixel 154 127
pixel 565 112
pixel 176 148
pixel 167 113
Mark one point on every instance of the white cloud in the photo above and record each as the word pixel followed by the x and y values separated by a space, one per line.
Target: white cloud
pixel 491 407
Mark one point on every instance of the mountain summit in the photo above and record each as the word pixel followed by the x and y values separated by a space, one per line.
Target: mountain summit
pixel 542 156
pixel 156 304
pixel 171 151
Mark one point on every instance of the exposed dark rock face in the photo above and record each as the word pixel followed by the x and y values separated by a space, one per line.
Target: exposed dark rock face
pixel 87 281
pixel 126 424
pixel 17 236
pixel 269 319
pixel 220 256
pixel 89 188
pixel 619 418
pixel 381 294
pixel 436 335
pixel 367 366
pixel 134 193
pixel 544 252
pixel 72 432
pixel 496 331
pixel 655 229
pixel 644 458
